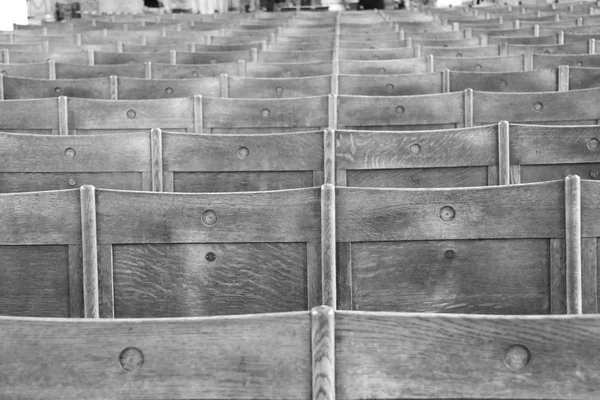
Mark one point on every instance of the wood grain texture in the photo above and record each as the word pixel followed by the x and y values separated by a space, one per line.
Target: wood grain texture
pixel 376 54
pixel 95 116
pixel 89 251
pixel 413 178
pixel 179 71
pixel 529 81
pixel 245 87
pixel 199 358
pixel 29 70
pixel 573 243
pixel 360 150
pixel 572 60
pixel 451 276
pixel 383 67
pixel 30 88
pixel 40 115
pixel 295 56
pixel 583 78
pixel 590 204
pixel 480 64
pixel 328 249
pixel 314 274
pixel 40 218
pixel 569 48
pixel 140 89
pixel 288 70
pixel 503 153
pixel 213 57
pixel 101 57
pixel 390 85
pixel 306 113
pixel 221 153
pixel 34 281
pixel 77 71
pixel 106 296
pixel 589 275
pixel 391 356
pixel 323 353
pixel 457 51
pixel 558 276
pixel 277 216
pixel 445 108
pixel 552 107
pixel 535 211
pixel 157 160
pixel 177 280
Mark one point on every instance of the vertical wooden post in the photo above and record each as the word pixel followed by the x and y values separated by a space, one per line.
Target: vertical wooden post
pixel 157 164
pixel 328 266
pixel 224 86
pixel 63 116
pixel 198 114
pixel 329 156
pixel 503 153
pixel 323 353
pixel 573 243
pixel 563 78
pixel 89 251
pixel 468 96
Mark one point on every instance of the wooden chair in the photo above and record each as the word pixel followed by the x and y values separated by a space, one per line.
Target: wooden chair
pixel 39 116
pixel 391 85
pixel 295 56
pixel 176 255
pixel 215 57
pixel 288 70
pixel 246 87
pixel 405 356
pixel 546 80
pixel 463 157
pixel 29 70
pixel 169 71
pixel 569 48
pixel 137 89
pixel 22 57
pixel 385 67
pixel 541 61
pixel 42 244
pixel 445 250
pixel 559 151
pixel 74 71
pixel 265 115
pixel 29 88
pixel 459 52
pixel 433 111
pixel 30 163
pixel 526 40
pixel 376 54
pixel 235 163
pixel 556 108
pixel 583 78
pixel 133 58
pixel 483 64
pixel 147 359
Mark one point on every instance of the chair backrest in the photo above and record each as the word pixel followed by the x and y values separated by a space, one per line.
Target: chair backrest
pixel 391 85
pixel 527 40
pixel 30 88
pixel 235 163
pixel 541 61
pixel 23 57
pixel 583 78
pixel 404 356
pixel 545 80
pixel 569 48
pixel 288 70
pixel 30 163
pixel 376 54
pixel 75 71
pixel 572 107
pixel 483 64
pixel 193 355
pixel 445 250
pixel 33 116
pixel 41 245
pixel 478 51
pixel 543 153
pixel 233 253
pixel 29 70
pixel 136 88
pixel 170 71
pixel 295 56
pixel 433 111
pixel 384 67
pixel 300 114
pixel 246 87
pixel 101 57
pixel 462 157
pixel 214 57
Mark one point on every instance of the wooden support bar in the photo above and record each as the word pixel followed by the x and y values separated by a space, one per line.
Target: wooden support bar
pixel 503 153
pixel 573 243
pixel 328 265
pixel 89 251
pixel 323 353
pixel 157 159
